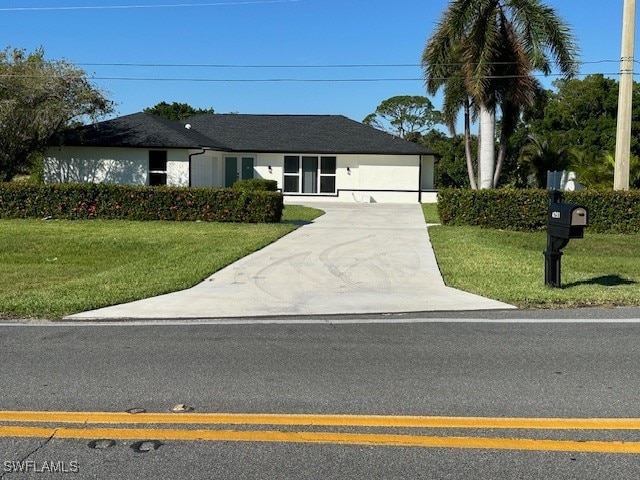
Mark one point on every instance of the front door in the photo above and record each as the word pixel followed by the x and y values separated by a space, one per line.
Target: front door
pixel 247 167
pixel 309 174
pixel 230 171
pixel 237 168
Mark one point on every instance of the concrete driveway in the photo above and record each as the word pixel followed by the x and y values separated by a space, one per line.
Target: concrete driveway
pixel 357 258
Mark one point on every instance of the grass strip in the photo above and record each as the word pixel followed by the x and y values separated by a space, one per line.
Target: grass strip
pixel 430 211
pixel 599 270
pixel 49 269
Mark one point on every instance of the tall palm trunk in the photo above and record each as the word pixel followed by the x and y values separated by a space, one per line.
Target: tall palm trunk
pixel 510 115
pixel 502 154
pixel 487 156
pixel 505 133
pixel 467 145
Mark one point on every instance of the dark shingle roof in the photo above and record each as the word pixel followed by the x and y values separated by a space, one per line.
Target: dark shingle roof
pixel 137 130
pixel 245 133
pixel 300 134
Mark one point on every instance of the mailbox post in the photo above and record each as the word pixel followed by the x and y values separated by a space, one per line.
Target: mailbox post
pixel 564 222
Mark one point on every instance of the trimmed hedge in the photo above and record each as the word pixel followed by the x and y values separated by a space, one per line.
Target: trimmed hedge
pixel 256 185
pixel 107 201
pixel 526 210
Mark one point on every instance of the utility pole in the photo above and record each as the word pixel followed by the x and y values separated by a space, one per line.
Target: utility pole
pixel 625 96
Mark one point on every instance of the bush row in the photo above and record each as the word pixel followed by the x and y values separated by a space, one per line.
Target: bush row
pixel 256 185
pixel 526 210
pixel 87 201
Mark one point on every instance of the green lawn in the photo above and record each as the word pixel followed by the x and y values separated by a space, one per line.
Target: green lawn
pixel 49 269
pixel 509 266
pixel 430 211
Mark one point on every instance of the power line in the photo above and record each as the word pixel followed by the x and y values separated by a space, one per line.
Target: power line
pixel 128 7
pixel 386 79
pixel 228 65
pixel 310 80
pixel 291 80
pixel 98 76
pixel 291 66
pixel 260 80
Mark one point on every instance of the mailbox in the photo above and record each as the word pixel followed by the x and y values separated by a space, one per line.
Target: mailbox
pixel 566 220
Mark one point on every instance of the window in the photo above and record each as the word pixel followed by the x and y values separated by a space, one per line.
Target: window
pixel 309 174
pixel 157 167
pixel 328 175
pixel 291 174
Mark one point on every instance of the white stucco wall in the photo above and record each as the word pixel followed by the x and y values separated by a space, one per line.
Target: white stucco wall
pixel 207 170
pixel 266 160
pixel 428 165
pixel 362 178
pixel 359 178
pixel 128 166
pixel 429 194
pixel 178 168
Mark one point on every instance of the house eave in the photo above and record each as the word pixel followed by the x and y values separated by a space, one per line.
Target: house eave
pixel 292 151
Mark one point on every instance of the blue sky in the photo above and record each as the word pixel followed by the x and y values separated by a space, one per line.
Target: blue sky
pixel 304 35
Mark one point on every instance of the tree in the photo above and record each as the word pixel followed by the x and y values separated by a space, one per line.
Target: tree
pixel 583 112
pixel 494 46
pixel 404 116
pixel 443 73
pixel 450 169
pixel 599 172
pixel 38 99
pixel 543 155
pixel 175 110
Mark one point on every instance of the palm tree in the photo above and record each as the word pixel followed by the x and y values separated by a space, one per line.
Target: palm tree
pixel 598 172
pixel 455 98
pixel 543 155
pixel 493 47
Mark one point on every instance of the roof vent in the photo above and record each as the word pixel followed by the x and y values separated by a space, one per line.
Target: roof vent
pixel 188 126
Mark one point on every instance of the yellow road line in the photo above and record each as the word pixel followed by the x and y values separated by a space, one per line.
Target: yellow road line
pixel 323 420
pixel 324 438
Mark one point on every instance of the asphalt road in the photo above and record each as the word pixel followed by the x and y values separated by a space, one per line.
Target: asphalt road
pixel 449 369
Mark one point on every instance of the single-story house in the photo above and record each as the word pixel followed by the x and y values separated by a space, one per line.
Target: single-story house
pixel 313 157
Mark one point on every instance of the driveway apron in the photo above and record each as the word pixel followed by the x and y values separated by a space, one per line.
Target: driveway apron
pixel 357 258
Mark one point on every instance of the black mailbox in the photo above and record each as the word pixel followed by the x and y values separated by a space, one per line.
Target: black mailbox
pixel 566 220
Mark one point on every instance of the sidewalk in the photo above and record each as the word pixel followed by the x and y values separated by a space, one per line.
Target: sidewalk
pixel 357 258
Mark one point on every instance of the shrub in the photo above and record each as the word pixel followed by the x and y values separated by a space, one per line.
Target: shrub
pixel 86 201
pixel 526 210
pixel 609 211
pixel 256 185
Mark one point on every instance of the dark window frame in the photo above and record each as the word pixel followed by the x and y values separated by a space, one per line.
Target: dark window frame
pixel 326 173
pixel 157 168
